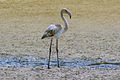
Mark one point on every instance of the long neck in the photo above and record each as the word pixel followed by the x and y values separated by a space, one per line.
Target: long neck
pixel 65 21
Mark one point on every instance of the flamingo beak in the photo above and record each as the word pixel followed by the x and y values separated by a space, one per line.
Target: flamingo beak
pixel 69 14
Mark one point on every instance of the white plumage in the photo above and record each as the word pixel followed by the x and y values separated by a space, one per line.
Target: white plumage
pixel 54 31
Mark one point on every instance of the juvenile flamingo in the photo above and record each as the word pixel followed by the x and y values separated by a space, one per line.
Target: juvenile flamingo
pixel 54 31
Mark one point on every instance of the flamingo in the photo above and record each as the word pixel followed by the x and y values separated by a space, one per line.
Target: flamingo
pixel 54 31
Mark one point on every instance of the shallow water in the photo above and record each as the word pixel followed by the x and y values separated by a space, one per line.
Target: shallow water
pixel 25 61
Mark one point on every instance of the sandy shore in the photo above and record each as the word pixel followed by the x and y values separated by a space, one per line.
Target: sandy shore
pixel 93 34
pixel 41 73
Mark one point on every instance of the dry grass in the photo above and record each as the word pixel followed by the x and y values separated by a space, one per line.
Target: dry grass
pixel 79 8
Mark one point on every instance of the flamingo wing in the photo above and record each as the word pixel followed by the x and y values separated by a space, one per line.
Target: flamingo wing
pixel 52 30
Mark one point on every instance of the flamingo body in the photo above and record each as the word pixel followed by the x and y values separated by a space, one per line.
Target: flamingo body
pixel 54 30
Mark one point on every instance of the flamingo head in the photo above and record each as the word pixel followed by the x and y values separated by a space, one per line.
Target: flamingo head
pixel 64 10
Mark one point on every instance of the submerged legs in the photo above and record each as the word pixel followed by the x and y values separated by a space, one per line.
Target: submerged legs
pixel 49 54
pixel 57 52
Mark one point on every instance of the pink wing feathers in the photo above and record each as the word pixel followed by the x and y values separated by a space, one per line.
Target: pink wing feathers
pixel 52 30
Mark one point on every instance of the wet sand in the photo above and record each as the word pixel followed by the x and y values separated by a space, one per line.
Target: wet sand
pixel 41 73
pixel 93 34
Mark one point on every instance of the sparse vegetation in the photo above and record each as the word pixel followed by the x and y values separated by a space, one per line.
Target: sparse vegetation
pixel 79 8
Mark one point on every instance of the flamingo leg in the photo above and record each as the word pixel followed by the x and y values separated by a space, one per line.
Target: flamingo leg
pixel 57 52
pixel 49 54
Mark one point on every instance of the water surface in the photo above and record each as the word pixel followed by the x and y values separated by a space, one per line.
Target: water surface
pixel 26 61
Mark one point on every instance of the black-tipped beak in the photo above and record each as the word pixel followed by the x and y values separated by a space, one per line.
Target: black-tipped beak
pixel 69 14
